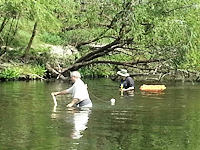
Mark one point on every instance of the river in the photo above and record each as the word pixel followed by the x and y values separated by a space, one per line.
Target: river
pixel 146 121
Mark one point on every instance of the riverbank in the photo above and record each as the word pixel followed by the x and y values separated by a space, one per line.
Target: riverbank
pixel 49 62
pixel 22 71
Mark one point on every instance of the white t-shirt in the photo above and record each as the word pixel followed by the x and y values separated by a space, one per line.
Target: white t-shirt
pixel 79 90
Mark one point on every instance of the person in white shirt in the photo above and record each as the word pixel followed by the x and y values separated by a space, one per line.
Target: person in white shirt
pixel 80 96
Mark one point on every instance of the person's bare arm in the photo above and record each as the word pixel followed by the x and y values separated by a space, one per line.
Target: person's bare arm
pixel 60 93
pixel 130 88
pixel 74 101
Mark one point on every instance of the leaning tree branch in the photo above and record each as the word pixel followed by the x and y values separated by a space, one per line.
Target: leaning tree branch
pixel 91 41
pixel 76 66
pixel 120 15
pixel 100 50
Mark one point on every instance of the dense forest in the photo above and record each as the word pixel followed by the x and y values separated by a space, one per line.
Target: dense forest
pixel 147 37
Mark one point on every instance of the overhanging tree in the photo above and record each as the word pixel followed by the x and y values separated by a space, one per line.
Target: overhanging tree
pixel 149 30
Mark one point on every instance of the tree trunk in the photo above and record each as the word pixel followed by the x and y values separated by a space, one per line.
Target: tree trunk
pixel 3 24
pixel 30 41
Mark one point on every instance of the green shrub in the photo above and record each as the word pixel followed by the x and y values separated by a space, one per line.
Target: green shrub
pixel 192 60
pixel 39 56
pixel 97 71
pixel 39 70
pixel 32 71
pixel 10 73
pixel 23 71
pixel 51 38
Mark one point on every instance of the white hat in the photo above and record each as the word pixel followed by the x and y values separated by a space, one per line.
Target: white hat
pixel 75 74
pixel 123 72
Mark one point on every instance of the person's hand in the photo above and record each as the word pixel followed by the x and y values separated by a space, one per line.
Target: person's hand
pixel 122 90
pixel 69 105
pixel 54 93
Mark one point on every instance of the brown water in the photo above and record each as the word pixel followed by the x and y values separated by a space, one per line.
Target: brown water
pixel 165 121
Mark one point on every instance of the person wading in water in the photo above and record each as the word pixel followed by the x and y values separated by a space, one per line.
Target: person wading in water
pixel 80 96
pixel 127 83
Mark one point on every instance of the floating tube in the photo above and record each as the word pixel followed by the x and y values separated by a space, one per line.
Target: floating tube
pixel 152 88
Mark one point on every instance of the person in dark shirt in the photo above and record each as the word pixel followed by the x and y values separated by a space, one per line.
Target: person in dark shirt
pixel 127 83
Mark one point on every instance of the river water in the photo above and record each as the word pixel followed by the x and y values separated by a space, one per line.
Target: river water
pixel 145 121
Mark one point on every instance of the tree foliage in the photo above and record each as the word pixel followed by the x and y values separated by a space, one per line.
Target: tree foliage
pixel 148 30
pixel 15 11
pixel 141 32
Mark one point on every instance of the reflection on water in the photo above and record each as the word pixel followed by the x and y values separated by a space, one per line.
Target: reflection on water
pixel 80 117
pixel 146 121
pixel 80 120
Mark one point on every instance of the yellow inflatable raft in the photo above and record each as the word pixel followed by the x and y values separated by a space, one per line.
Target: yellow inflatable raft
pixel 152 88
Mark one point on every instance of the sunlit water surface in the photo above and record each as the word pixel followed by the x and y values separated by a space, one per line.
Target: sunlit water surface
pixel 145 121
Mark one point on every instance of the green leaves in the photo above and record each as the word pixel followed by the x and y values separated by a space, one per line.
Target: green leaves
pixel 156 28
pixel 25 71
pixel 10 73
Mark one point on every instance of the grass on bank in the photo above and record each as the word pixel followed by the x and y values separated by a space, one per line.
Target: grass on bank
pixel 21 71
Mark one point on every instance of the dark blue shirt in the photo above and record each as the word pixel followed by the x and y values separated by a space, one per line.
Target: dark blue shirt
pixel 128 82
